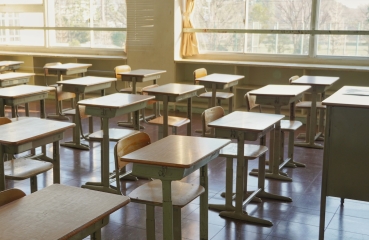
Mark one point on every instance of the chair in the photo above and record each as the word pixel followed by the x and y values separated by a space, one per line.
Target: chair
pixel 150 193
pixel 251 151
pixel 287 126
pixel 59 95
pixel 306 105
pixel 23 168
pixel 10 195
pixel 201 72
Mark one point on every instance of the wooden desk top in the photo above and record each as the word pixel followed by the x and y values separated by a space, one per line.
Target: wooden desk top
pixel 67 66
pixel 280 90
pixel 14 75
pixel 116 100
pixel 349 96
pixel 220 78
pixel 29 129
pixel 142 72
pixel 246 121
pixel 56 212
pixel 174 89
pixel 86 81
pixel 10 63
pixel 23 90
pixel 176 151
pixel 315 80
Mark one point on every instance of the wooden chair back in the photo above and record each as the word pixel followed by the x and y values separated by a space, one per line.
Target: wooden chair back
pixel 82 112
pixel 10 195
pixel 198 73
pixel 121 68
pixel 251 102
pixel 293 78
pixel 4 120
pixel 129 144
pixel 209 115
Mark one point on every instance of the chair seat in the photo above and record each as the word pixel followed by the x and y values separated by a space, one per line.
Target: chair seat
pixel 151 193
pixel 307 104
pixel 115 134
pixel 129 90
pixel 221 95
pixel 287 125
pixel 251 151
pixel 70 112
pixel 172 121
pixel 23 168
pixel 138 89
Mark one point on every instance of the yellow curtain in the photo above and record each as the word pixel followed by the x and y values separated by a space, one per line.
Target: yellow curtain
pixel 189 41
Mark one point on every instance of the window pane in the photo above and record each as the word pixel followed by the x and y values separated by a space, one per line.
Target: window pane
pixel 344 15
pixel 252 14
pixel 278 44
pixel 343 45
pixel 21 37
pixel 108 13
pixel 109 39
pixel 219 14
pixel 221 42
pixel 66 38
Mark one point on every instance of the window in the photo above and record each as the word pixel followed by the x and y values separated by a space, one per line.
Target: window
pixel 283 27
pixel 85 26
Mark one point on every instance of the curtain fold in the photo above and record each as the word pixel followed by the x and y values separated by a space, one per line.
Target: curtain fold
pixel 189 41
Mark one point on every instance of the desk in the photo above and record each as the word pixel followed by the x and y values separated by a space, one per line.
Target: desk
pixel 81 86
pixel 318 85
pixel 21 94
pixel 140 75
pixel 58 212
pixel 345 159
pixel 107 107
pixel 60 70
pixel 29 133
pixel 174 92
pixel 173 158
pixel 12 78
pixel 220 81
pixel 10 65
pixel 278 96
pixel 246 126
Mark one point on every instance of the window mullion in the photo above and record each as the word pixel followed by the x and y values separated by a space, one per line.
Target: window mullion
pixel 314 21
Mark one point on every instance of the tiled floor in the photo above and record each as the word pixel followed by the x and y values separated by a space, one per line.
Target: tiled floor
pixel 294 220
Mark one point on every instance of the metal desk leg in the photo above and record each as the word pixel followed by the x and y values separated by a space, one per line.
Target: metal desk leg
pixel 189 116
pixel 2 173
pixel 165 116
pixel 76 142
pixel 56 163
pixel 204 203
pixel 167 210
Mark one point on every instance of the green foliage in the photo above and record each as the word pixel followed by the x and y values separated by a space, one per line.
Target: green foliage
pixel 118 38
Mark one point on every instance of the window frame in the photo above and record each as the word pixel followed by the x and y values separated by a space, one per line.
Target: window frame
pixel 313 45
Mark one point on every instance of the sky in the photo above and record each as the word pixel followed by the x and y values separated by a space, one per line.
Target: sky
pixel 354 3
